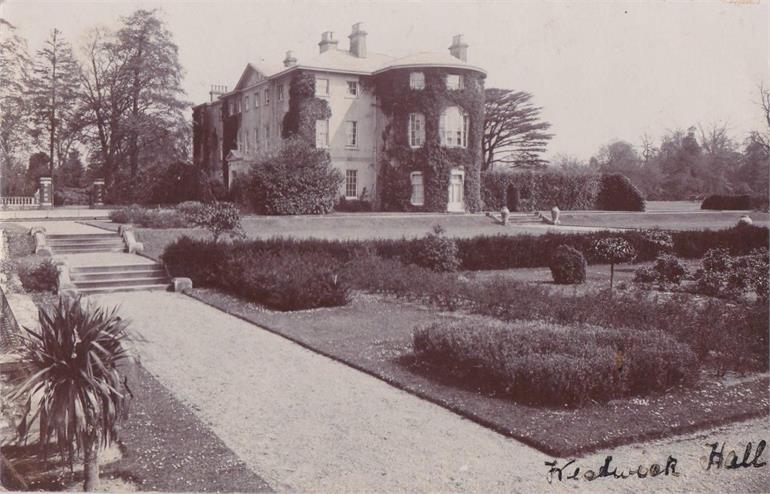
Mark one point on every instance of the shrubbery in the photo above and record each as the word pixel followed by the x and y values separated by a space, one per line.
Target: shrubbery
pixel 617 193
pixel 345 205
pixel 539 190
pixel 436 251
pixel 560 365
pixel 734 203
pixel 568 266
pixel 42 277
pixel 667 269
pixel 219 218
pixel 729 276
pixel 298 179
pixel 149 218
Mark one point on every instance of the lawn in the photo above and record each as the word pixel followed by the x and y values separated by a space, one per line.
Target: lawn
pixel 374 334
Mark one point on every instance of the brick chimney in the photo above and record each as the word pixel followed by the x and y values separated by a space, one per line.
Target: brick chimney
pixel 289 60
pixel 459 48
pixel 358 40
pixel 217 90
pixel 327 41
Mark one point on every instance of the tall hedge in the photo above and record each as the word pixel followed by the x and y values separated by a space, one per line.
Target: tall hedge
pixel 539 190
pixel 617 193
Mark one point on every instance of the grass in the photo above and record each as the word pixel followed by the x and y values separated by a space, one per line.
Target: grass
pixel 685 220
pixel 374 334
pixel 164 447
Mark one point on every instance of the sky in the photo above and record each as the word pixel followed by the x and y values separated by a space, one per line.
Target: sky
pixel 601 71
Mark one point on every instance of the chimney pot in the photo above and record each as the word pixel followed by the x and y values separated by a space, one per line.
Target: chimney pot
pixel 327 41
pixel 290 60
pixel 358 40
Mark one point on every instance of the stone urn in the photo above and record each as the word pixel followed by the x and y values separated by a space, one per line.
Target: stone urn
pixel 504 215
pixel 745 220
pixel 555 211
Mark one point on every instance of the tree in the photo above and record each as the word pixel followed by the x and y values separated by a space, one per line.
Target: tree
pixel 75 391
pixel 37 167
pixel 613 250
pixel 514 135
pixel 71 171
pixel 14 62
pixel 52 88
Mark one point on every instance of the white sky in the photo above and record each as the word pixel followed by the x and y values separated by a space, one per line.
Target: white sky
pixel 602 71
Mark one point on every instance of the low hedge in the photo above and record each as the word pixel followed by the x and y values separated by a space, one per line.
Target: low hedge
pixel 546 363
pixel 149 218
pixel 734 203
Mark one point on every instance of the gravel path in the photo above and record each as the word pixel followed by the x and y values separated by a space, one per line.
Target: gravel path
pixel 306 423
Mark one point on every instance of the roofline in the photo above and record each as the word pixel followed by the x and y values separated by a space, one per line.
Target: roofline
pixel 429 65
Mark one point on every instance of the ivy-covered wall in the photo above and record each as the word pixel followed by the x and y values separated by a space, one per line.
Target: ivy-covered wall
pixel 231 122
pixel 397 101
pixel 304 108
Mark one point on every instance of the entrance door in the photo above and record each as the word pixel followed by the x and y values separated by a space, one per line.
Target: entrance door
pixel 456 202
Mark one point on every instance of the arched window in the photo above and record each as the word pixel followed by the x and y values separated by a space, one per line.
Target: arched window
pixel 418 192
pixel 416 130
pixel 453 128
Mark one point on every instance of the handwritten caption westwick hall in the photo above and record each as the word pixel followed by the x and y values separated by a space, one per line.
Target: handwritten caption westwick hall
pixel 719 457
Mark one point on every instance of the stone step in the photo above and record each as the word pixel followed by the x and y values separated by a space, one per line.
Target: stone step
pixel 89 248
pixel 115 268
pixel 73 245
pixel 151 272
pixel 133 288
pixel 95 236
pixel 120 282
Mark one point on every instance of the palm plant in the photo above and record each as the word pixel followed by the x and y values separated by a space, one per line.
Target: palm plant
pixel 75 389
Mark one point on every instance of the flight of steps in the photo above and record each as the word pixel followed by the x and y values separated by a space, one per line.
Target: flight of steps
pixel 80 244
pixel 130 277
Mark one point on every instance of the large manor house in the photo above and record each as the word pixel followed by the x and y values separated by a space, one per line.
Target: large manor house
pixel 405 133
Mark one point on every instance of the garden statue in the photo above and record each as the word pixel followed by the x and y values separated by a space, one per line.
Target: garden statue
pixel 555 215
pixel 504 215
pixel 745 220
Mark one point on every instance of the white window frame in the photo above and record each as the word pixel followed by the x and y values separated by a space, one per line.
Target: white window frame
pixel 246 102
pixel 417 199
pixel 417 80
pixel 453 127
pixel 454 77
pixel 351 184
pixel 354 86
pixel 267 96
pixel 322 143
pixel 280 92
pixel 256 138
pixel 416 130
pixel 256 99
pixel 326 86
pixel 351 133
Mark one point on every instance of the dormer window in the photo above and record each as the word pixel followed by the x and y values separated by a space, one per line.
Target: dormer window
pixel 417 80
pixel 454 81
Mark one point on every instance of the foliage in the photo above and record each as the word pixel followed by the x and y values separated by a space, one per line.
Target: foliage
pixel 617 193
pixel 436 251
pixel 177 182
pixel 553 364
pixel 67 196
pixel 192 210
pixel 352 205
pixel 729 276
pixel 297 179
pixel 76 391
pixel 279 280
pixel 41 277
pixel 724 202
pixel 538 190
pixel 667 269
pixel 304 108
pixel 220 218
pixel 613 250
pixel 149 218
pixel 397 100
pixel 568 266
pixel 514 135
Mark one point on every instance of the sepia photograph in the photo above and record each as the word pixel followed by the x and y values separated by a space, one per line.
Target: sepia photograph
pixel 372 246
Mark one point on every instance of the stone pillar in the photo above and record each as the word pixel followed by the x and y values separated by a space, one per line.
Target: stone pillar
pixel 45 192
pixel 97 199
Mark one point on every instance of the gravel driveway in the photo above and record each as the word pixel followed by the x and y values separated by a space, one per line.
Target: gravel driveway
pixel 306 423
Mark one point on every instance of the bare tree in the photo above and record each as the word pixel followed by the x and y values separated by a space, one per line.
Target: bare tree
pixel 14 61
pixel 514 134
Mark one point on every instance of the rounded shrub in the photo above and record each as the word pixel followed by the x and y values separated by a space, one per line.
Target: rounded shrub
pixel 436 252
pixel 617 193
pixel 42 277
pixel 568 266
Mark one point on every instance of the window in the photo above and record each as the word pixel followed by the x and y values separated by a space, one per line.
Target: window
pixel 256 100
pixel 246 103
pixel 321 133
pixel 351 133
pixel 416 129
pixel 353 88
pixel 267 134
pixel 245 141
pixel 237 106
pixel 418 195
pixel 453 128
pixel 267 96
pixel 321 87
pixel 280 92
pixel 350 184
pixel 256 138
pixel 454 81
pixel 417 80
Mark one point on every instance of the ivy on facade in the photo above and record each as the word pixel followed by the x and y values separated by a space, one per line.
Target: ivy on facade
pixel 304 108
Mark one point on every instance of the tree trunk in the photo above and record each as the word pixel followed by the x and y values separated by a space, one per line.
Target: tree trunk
pixel 612 275
pixel 91 464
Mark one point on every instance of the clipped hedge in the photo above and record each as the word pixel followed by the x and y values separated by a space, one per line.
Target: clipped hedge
pixel 617 193
pixel 546 363
pixel 568 266
pixel 734 203
pixel 539 190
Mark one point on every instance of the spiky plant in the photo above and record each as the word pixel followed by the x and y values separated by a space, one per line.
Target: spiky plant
pixel 75 389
